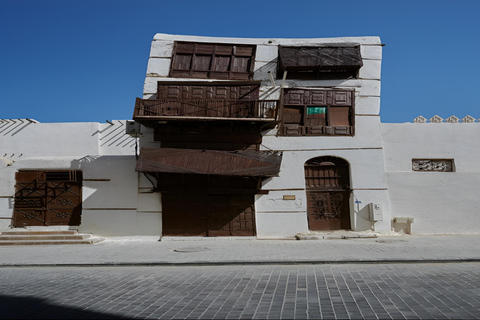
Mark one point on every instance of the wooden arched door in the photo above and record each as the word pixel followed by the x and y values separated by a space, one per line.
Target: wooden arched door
pixel 327 181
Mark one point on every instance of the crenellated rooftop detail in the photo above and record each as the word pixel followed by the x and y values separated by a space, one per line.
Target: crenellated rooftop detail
pixel 451 119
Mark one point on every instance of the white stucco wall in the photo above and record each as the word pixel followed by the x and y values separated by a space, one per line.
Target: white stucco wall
pixel 106 156
pixel 439 202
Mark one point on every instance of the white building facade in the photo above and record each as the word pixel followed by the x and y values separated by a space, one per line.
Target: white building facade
pixel 265 138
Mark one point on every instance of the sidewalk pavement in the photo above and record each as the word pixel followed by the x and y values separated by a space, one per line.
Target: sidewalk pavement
pixel 128 252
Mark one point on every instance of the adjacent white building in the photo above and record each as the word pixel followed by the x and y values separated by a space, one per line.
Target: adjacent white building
pixel 246 137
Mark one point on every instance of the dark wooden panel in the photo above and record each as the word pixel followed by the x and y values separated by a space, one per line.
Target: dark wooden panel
pixel 221 63
pixel 339 116
pixel 318 97
pixel 223 49
pixel 240 64
pixel 293 115
pixel 184 47
pixel 202 91
pixel 200 214
pixel 204 48
pixel 27 176
pixel 293 130
pixel 295 97
pixel 342 130
pixel 182 62
pixel 244 50
pixel 51 202
pixel 249 92
pixel 201 62
pixel 328 210
pixel 340 98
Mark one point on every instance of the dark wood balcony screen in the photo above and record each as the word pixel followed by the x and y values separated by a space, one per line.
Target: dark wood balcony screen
pixel 317 112
pixel 212 162
pixel 332 57
pixel 213 61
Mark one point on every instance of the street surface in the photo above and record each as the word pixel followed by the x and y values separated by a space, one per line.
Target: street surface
pixel 326 291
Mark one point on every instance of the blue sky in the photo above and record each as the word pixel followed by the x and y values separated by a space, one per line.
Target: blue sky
pixel 65 61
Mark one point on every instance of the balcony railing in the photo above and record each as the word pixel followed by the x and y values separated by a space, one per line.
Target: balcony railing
pixel 205 108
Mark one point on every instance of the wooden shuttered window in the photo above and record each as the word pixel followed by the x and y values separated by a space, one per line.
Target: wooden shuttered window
pixel 212 61
pixel 317 112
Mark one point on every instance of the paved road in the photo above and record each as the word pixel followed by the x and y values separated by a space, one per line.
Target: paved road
pixel 355 291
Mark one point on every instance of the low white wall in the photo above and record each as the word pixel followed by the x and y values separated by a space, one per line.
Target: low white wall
pixel 439 202
pixel 105 155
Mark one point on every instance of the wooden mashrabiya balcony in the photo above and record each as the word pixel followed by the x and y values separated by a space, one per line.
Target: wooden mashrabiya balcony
pixel 205 109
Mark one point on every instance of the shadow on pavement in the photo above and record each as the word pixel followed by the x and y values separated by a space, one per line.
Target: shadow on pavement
pixel 12 307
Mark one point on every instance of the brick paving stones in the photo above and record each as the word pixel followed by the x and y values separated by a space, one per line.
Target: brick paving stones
pixel 347 291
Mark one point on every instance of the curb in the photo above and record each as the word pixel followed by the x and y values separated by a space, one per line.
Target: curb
pixel 238 263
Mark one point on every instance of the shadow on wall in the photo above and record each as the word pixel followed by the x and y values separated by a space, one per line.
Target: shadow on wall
pixel 18 307
pixel 114 135
pixel 112 180
pixel 362 220
pixel 13 126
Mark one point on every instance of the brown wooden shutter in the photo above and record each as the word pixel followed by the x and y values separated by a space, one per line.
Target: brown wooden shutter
pixel 240 64
pixel 201 62
pixel 339 116
pixel 221 63
pixel 293 115
pixel 182 62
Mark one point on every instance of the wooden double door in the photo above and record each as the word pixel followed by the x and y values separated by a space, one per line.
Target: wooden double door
pixel 328 193
pixel 210 215
pixel 207 205
pixel 44 198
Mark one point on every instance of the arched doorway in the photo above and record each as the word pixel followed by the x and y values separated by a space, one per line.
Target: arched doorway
pixel 327 182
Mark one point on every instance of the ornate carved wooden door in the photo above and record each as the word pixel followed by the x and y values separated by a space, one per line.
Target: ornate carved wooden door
pixel 45 198
pixel 328 195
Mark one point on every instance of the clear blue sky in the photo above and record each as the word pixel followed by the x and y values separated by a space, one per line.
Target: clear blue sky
pixel 64 61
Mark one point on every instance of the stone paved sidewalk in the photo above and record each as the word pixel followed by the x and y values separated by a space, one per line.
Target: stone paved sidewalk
pixel 124 251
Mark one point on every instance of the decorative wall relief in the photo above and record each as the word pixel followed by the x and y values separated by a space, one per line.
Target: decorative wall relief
pixel 438 119
pixel 452 119
pixel 443 165
pixel 468 119
pixel 420 119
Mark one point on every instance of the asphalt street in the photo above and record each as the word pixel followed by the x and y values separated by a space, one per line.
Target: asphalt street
pixel 297 291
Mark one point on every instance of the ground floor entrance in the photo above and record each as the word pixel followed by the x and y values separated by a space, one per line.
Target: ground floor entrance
pixel 328 194
pixel 208 206
pixel 328 210
pixel 44 198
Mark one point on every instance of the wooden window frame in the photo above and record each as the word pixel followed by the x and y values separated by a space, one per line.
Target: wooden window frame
pixel 217 51
pixel 302 129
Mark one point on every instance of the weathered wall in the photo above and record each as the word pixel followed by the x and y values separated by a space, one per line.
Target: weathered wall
pixel 439 202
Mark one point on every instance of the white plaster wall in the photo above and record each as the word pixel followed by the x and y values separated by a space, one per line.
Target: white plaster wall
pixel 106 156
pixel 368 183
pixel 112 139
pixel 439 202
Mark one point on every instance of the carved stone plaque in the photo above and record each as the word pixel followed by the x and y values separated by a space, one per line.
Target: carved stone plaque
pixel 441 165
